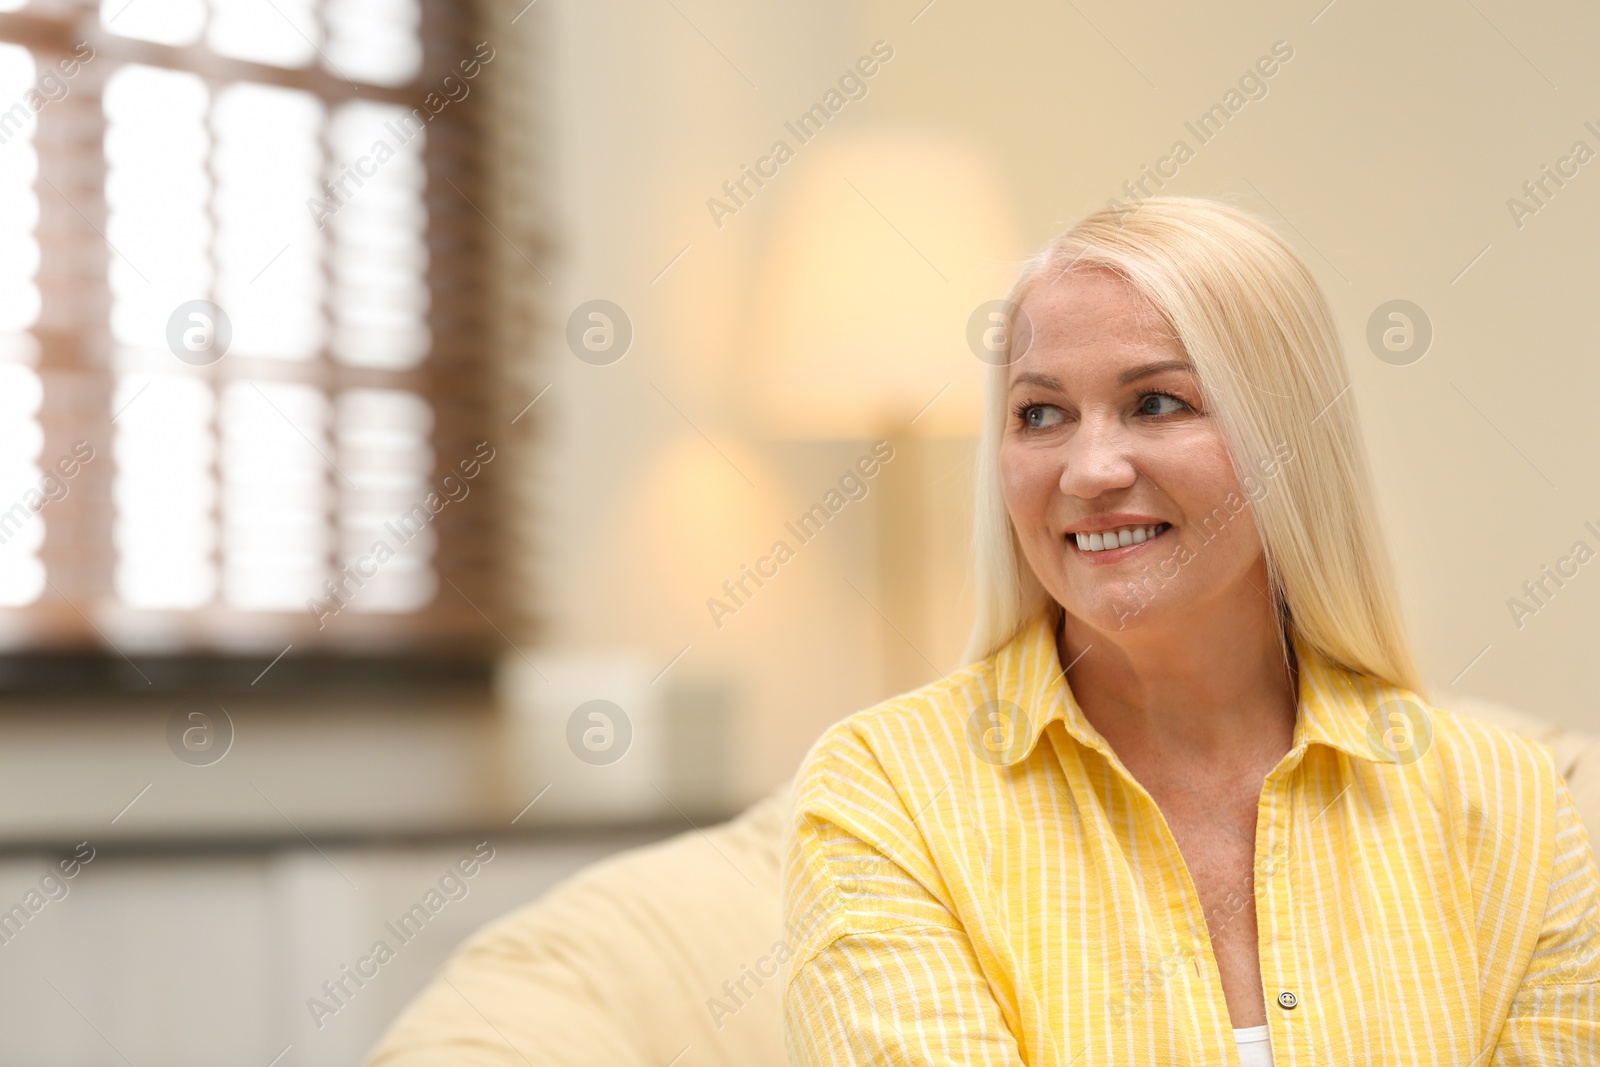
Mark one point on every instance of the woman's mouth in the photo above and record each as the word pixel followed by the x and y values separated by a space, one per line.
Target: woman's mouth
pixel 1107 546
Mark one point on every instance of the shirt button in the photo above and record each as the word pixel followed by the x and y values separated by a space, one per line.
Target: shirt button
pixel 1287 999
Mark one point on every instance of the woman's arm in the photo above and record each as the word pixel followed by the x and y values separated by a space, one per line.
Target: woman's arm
pixel 913 995
pixel 1555 1019
pixel 883 972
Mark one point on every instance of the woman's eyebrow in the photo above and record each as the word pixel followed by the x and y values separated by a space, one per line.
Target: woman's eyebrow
pixel 1028 377
pixel 1125 378
pixel 1129 376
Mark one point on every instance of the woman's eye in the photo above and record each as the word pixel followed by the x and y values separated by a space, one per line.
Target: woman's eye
pixel 1155 399
pixel 1038 416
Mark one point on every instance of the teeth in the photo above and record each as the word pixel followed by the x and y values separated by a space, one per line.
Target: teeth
pixel 1127 535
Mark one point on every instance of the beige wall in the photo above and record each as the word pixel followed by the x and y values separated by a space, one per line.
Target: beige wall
pixel 1385 150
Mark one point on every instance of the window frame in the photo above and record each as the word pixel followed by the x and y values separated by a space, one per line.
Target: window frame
pixel 77 619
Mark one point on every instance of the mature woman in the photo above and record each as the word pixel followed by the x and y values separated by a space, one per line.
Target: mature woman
pixel 1189 803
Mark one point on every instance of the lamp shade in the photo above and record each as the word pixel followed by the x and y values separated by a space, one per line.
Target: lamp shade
pixel 882 248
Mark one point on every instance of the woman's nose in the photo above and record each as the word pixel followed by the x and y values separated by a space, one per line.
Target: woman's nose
pixel 1095 457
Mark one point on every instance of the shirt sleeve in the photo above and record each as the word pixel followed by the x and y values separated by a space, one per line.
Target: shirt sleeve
pixel 883 972
pixel 1555 1018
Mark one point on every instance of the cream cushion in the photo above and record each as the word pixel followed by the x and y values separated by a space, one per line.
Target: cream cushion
pixel 619 966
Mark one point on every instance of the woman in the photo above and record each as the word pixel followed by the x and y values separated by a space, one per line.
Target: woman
pixel 1189 803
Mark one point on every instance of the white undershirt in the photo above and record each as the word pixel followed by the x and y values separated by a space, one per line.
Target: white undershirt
pixel 1255 1046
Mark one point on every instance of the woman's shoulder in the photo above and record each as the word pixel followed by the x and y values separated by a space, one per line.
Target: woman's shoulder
pixel 1499 781
pixel 918 735
pixel 1473 748
pixel 1484 779
pixel 1484 754
pixel 1524 842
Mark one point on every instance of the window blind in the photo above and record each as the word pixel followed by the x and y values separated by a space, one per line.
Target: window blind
pixel 243 386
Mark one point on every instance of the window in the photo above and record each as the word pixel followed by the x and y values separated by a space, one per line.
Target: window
pixel 242 379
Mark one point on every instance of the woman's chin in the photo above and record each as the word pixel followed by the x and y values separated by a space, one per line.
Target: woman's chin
pixel 1115 611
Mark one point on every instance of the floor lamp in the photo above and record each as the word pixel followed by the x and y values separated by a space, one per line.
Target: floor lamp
pixel 880 249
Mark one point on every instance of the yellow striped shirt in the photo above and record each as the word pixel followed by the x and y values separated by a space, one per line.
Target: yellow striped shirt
pixel 971 875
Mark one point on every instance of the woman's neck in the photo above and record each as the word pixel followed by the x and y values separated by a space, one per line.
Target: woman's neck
pixel 1208 695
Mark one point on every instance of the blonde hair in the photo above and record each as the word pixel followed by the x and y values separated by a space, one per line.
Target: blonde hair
pixel 1255 325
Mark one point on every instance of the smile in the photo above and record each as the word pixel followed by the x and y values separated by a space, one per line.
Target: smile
pixel 1123 537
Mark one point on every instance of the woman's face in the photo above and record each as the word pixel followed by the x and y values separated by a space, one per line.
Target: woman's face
pixel 1107 430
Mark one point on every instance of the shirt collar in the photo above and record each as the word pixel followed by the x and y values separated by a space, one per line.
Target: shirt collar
pixel 1337 706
